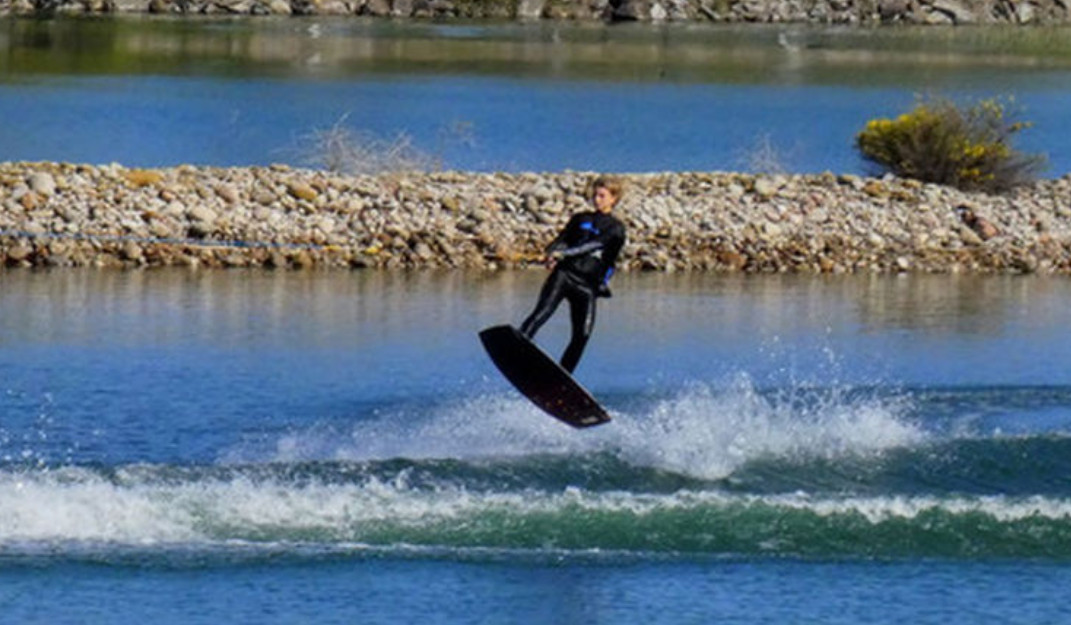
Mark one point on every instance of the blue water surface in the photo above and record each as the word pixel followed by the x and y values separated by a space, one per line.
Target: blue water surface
pixel 514 125
pixel 439 593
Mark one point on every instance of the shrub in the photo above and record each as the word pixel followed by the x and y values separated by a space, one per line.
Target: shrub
pixel 342 149
pixel 940 142
pixel 142 177
pixel 763 157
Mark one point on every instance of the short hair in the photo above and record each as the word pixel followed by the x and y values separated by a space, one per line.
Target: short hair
pixel 613 184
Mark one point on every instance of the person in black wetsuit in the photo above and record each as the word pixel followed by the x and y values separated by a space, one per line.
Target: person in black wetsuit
pixel 582 259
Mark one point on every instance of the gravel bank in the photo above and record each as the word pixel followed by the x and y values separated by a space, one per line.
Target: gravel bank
pixel 67 215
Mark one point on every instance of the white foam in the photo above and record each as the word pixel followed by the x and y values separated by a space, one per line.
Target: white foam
pixel 79 507
pixel 709 433
pixel 72 505
pixel 703 430
pixel 56 510
pixel 478 427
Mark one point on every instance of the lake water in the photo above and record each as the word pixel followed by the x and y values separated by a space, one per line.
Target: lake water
pixel 502 96
pixel 334 447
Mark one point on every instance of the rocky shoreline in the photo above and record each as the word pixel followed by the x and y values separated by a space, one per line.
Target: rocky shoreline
pixel 858 12
pixel 72 215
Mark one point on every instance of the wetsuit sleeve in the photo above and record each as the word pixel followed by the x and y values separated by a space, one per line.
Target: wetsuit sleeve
pixel 614 241
pixel 559 243
pixel 590 246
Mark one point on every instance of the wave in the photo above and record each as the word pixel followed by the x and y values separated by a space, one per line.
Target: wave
pixel 703 471
pixel 401 505
pixel 1017 466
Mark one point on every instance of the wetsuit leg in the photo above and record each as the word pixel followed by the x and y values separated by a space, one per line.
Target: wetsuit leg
pixel 549 297
pixel 582 315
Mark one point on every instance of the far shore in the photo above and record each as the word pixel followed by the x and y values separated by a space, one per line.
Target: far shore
pixel 818 12
pixel 78 215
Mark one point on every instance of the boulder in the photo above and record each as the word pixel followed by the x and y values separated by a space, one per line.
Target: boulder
pixel 530 9
pixel 42 183
pixel 201 213
pixel 957 12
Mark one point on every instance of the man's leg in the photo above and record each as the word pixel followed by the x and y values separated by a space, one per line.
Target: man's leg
pixel 582 315
pixel 549 297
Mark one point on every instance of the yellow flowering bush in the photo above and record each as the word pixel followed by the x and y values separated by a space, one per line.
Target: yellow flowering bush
pixel 940 142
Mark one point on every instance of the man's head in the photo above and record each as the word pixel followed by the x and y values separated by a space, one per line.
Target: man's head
pixel 605 193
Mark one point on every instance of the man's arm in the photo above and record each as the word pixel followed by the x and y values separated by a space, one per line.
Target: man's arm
pixel 558 245
pixel 579 250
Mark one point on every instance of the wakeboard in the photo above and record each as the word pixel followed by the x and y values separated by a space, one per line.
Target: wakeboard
pixel 540 378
